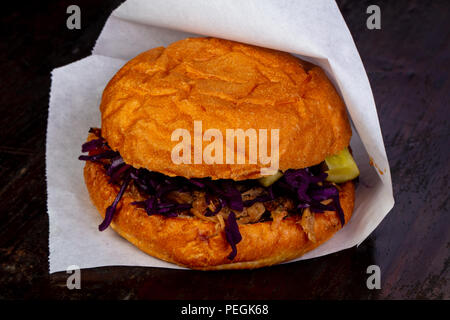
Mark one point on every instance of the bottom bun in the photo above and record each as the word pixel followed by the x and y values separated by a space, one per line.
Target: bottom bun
pixel 198 244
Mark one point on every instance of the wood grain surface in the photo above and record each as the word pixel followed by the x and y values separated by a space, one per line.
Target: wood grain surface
pixel 407 62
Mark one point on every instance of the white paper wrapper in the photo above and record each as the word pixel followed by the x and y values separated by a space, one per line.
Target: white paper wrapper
pixel 313 30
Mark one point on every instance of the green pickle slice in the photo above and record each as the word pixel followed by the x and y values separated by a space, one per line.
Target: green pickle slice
pixel 268 180
pixel 341 167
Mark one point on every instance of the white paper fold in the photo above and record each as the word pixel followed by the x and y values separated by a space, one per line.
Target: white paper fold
pixel 313 30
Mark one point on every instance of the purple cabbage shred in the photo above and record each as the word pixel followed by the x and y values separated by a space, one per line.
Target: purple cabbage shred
pixel 232 234
pixel 309 189
pixel 92 145
pixel 112 208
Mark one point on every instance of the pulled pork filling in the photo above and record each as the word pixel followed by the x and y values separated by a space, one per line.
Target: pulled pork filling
pixel 228 203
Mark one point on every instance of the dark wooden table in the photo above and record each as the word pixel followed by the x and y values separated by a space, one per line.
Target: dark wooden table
pixel 407 62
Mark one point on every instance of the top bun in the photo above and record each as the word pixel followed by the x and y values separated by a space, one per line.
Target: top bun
pixel 226 85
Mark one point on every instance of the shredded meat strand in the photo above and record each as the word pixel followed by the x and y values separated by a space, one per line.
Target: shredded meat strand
pixel 307 223
pixel 252 214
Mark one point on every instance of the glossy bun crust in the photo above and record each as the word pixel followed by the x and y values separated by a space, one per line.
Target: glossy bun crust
pixel 198 244
pixel 226 85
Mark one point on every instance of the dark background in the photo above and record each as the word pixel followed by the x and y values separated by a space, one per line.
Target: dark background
pixel 407 62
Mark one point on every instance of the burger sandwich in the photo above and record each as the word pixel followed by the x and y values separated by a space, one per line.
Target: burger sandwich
pixel 214 154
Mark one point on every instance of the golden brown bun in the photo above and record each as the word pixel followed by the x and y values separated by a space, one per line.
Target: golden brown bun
pixel 226 85
pixel 195 243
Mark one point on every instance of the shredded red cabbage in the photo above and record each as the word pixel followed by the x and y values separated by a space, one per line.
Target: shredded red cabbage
pixel 108 154
pixel 112 208
pixel 232 234
pixel 309 189
pixel 93 144
pixel 306 187
pixel 153 205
